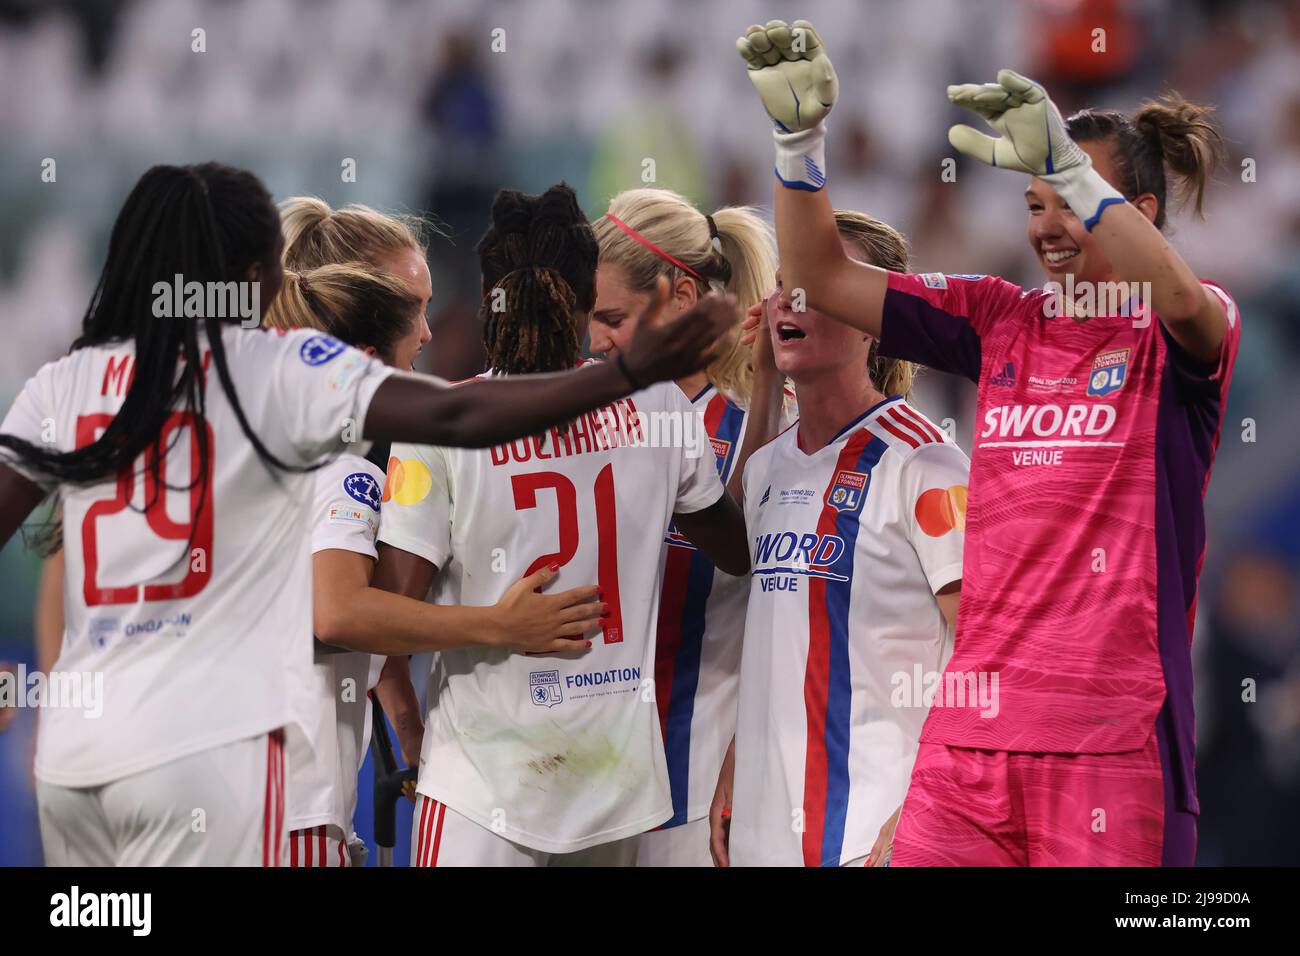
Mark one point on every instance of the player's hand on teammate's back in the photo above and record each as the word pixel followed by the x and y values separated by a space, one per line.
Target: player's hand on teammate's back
pixel 790 70
pixel 664 348
pixel 532 622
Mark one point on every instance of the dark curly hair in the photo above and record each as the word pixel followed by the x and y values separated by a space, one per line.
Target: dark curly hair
pixel 541 253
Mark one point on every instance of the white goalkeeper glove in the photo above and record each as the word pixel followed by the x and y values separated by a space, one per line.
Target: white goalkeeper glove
pixel 789 67
pixel 1033 140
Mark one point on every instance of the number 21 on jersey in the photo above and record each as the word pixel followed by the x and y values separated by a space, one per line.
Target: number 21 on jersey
pixel 566 500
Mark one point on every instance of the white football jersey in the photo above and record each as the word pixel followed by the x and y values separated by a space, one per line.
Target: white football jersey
pixel 324 762
pixel 558 752
pixel 850 545
pixel 202 631
pixel 697 652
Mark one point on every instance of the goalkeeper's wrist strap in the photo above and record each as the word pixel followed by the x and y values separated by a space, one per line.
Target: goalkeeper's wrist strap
pixel 1086 191
pixel 801 158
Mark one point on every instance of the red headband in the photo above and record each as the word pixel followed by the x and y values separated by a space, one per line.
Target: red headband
pixel 652 247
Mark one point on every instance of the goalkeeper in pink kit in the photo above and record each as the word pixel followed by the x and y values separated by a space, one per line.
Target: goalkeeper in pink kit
pixel 1098 417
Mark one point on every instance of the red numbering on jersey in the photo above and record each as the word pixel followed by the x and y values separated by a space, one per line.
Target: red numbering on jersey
pixel 198 572
pixel 566 500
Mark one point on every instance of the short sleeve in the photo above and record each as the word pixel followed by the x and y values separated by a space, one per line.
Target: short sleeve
pixel 29 418
pixel 941 320
pixel 346 514
pixel 933 486
pixel 416 511
pixel 1197 380
pixel 323 390
pixel 698 484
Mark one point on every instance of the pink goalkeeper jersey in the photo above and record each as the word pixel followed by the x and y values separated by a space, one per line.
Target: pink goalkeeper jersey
pixel 1086 530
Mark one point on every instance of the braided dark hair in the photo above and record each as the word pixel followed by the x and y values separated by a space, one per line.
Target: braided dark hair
pixel 541 253
pixel 1166 133
pixel 208 223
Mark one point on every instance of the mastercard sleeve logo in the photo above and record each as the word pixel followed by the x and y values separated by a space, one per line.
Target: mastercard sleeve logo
pixel 408 481
pixel 940 510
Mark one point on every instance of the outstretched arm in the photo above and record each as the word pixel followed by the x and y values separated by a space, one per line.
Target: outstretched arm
pixel 347 612
pixel 413 408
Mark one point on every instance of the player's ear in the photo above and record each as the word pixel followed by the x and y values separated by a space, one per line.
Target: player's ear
pixel 369 350
pixel 685 293
pixel 1148 205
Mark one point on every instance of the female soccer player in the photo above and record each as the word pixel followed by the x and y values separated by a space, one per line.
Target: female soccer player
pixel 200 628
pixel 378 314
pixel 1097 426
pixel 648 234
pixel 554 760
pixel 316 235
pixel 856 515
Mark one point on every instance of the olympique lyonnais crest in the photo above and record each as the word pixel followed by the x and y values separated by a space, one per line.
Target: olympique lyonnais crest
pixel 1109 370
pixel 847 490
pixel 544 688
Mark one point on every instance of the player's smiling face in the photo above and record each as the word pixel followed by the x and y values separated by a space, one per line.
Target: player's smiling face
pixel 409 266
pixel 1058 236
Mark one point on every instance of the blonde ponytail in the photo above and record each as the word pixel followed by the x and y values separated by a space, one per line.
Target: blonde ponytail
pixel 352 301
pixel 316 235
pixel 743 262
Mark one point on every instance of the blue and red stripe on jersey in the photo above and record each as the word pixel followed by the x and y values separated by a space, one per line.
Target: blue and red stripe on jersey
pixel 828 690
pixel 683 603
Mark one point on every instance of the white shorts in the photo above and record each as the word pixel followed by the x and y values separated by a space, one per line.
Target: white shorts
pixel 323 845
pixel 442 837
pixel 684 845
pixel 218 807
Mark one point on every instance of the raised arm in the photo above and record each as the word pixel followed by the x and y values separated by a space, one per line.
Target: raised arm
pixel 794 78
pixel 766 402
pixel 1192 315
pixel 719 532
pixel 414 408
pixel 1034 140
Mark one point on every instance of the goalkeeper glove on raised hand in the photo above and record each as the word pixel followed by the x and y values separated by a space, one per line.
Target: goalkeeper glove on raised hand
pixel 789 67
pixel 1033 140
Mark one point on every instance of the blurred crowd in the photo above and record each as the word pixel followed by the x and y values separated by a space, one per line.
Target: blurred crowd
pixel 438 104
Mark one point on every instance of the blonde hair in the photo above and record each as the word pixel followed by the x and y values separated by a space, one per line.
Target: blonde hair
pixel 745 263
pixel 317 235
pixel 884 246
pixel 352 301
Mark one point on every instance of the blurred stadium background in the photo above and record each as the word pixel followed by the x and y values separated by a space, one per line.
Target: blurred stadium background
pixel 440 103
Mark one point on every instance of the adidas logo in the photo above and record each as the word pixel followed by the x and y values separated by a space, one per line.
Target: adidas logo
pixel 766 494
pixel 1006 378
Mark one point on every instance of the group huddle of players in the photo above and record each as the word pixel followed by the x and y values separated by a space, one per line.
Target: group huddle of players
pixel 649 648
